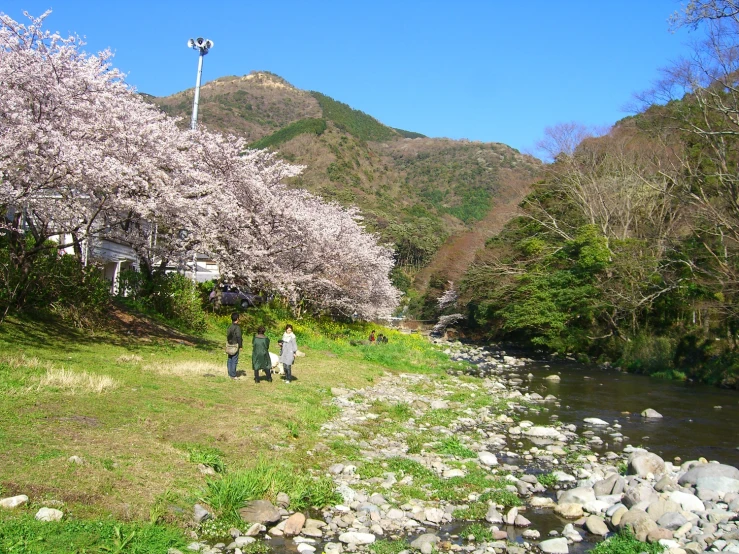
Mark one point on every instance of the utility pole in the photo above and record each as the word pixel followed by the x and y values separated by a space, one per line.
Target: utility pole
pixel 202 45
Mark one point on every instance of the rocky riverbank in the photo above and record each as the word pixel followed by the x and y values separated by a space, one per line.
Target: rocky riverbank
pixel 453 464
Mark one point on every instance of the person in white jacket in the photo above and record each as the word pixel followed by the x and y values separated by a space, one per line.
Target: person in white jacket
pixel 289 348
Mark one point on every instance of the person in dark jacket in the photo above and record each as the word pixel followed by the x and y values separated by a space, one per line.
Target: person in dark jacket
pixel 260 355
pixel 233 336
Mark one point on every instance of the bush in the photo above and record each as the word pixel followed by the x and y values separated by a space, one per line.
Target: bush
pixel 648 354
pixel 625 543
pixel 55 283
pixel 171 295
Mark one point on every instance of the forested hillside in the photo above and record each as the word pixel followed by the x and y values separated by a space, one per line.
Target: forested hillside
pixel 629 248
pixel 416 192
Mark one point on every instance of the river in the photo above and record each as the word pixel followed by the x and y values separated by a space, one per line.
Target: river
pixel 698 420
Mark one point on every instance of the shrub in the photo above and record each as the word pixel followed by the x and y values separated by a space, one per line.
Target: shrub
pixel 648 354
pixel 626 543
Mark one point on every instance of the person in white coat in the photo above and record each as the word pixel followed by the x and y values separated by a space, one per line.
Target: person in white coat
pixel 289 348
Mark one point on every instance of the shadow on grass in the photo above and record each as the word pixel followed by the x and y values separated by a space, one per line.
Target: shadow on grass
pixel 121 328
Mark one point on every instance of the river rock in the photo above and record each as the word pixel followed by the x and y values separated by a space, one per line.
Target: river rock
pixel 368 507
pixel 355 537
pixel 283 500
pixel 649 413
pixel 644 463
pixel 493 516
pixel 199 514
pixel 659 534
pixel 521 521
pixel 455 472
pixel 660 506
pixel 595 421
pixel 333 548
pixel 260 511
pixel 434 515
pixel 718 484
pixel 543 432
pixel 642 492
pixel 13 501
pixel 542 502
pixel 487 458
pixel 697 472
pixel 596 526
pixel 579 495
pixel 639 522
pixel 687 501
pixel 304 548
pixel 426 538
pixel 672 521
pixel 294 524
pixel 553 377
pixel 569 510
pixel 605 486
pixel 563 477
pixel 49 514
pixel 555 546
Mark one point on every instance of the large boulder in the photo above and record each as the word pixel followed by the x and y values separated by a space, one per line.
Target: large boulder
pixel 596 526
pixel 642 492
pixel 688 502
pixel 643 463
pixel 294 524
pixel 639 522
pixel 569 510
pixel 605 486
pixel 720 478
pixel 260 511
pixel 672 521
pixel 355 537
pixel 660 507
pixel 554 546
pixel 703 471
pixel 13 501
pixel 579 495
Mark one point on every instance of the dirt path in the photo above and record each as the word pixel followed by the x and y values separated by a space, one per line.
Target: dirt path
pixel 458 252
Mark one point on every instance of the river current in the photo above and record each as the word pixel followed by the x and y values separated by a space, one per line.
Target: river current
pixel 698 420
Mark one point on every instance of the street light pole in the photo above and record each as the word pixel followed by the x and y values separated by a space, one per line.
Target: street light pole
pixel 202 45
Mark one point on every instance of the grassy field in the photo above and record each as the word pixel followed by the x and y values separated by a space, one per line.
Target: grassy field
pixel 143 408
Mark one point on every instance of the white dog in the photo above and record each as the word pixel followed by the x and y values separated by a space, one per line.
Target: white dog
pixel 276 364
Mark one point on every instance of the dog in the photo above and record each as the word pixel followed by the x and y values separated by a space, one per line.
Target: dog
pixel 276 364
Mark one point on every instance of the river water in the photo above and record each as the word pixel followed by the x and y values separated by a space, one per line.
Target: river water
pixel 698 420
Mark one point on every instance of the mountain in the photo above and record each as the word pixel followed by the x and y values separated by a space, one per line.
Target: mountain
pixel 416 192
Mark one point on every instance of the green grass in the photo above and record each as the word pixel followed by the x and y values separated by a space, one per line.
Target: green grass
pixel 479 531
pixel 625 543
pixel 385 546
pixel 474 511
pixel 265 480
pixel 22 534
pixel 547 480
pixel 452 447
pixel 172 408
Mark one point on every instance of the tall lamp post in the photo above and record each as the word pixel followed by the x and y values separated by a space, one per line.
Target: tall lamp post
pixel 202 45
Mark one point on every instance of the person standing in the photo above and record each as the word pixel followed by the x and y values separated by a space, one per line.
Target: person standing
pixel 233 337
pixel 287 354
pixel 260 355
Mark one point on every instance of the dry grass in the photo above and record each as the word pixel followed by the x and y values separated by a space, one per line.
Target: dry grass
pixel 24 361
pixel 188 367
pixel 76 381
pixel 129 359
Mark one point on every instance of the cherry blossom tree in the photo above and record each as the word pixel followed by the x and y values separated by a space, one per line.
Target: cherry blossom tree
pixel 83 157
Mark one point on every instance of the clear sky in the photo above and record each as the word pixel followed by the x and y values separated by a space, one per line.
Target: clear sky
pixel 490 70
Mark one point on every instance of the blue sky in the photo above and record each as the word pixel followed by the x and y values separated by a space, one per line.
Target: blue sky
pixel 483 70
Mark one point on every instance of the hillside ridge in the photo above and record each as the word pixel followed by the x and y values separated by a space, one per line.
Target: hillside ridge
pixel 414 191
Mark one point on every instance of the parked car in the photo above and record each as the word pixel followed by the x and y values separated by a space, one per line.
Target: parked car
pixel 234 296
